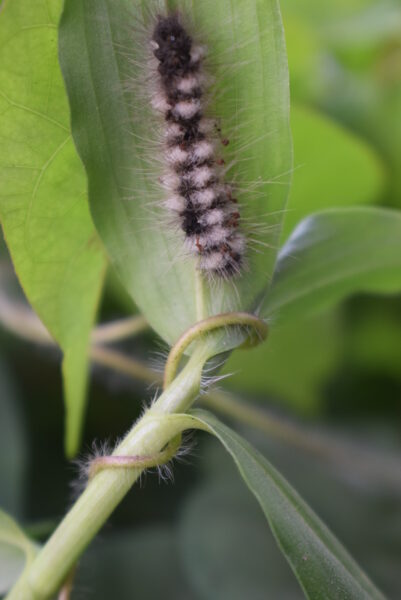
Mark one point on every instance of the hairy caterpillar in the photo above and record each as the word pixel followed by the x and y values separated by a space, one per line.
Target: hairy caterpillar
pixel 194 180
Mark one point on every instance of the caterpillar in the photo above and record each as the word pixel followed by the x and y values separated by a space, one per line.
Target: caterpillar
pixel 196 192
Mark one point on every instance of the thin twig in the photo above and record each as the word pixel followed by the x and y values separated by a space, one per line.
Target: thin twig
pixel 123 364
pixel 65 591
pixel 23 322
pixel 107 333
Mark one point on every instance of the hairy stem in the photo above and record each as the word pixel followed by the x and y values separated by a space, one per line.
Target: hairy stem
pixel 104 492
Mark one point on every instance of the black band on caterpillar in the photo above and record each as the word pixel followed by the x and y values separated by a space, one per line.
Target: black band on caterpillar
pixel 203 202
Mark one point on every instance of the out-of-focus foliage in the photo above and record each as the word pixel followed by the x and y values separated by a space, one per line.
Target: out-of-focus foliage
pixel 373 337
pixel 13 443
pixel 225 561
pixel 292 365
pixel 332 167
pixel 128 561
pixel 16 549
pixel 350 66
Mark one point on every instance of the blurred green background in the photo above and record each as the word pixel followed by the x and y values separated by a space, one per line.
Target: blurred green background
pixel 337 375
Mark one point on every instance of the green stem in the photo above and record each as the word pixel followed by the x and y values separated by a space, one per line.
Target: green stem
pixel 202 328
pixel 104 492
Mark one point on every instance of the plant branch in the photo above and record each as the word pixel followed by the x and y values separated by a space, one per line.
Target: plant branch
pixel 103 493
pixel 22 321
pixel 115 331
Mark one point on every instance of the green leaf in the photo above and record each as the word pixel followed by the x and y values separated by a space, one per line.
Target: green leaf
pixel 16 551
pixel 99 54
pixel 43 206
pixel 323 567
pixel 332 167
pixel 333 254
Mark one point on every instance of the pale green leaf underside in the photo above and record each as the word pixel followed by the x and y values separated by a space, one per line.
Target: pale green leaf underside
pixel 43 206
pixel 322 565
pixel 100 48
pixel 333 254
pixel 15 551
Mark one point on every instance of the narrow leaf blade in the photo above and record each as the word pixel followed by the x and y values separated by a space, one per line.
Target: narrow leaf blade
pixel 321 564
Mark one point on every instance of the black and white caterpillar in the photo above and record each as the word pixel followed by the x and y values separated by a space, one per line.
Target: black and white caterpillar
pixel 194 176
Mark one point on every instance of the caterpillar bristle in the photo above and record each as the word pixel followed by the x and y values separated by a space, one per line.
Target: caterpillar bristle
pixel 202 202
